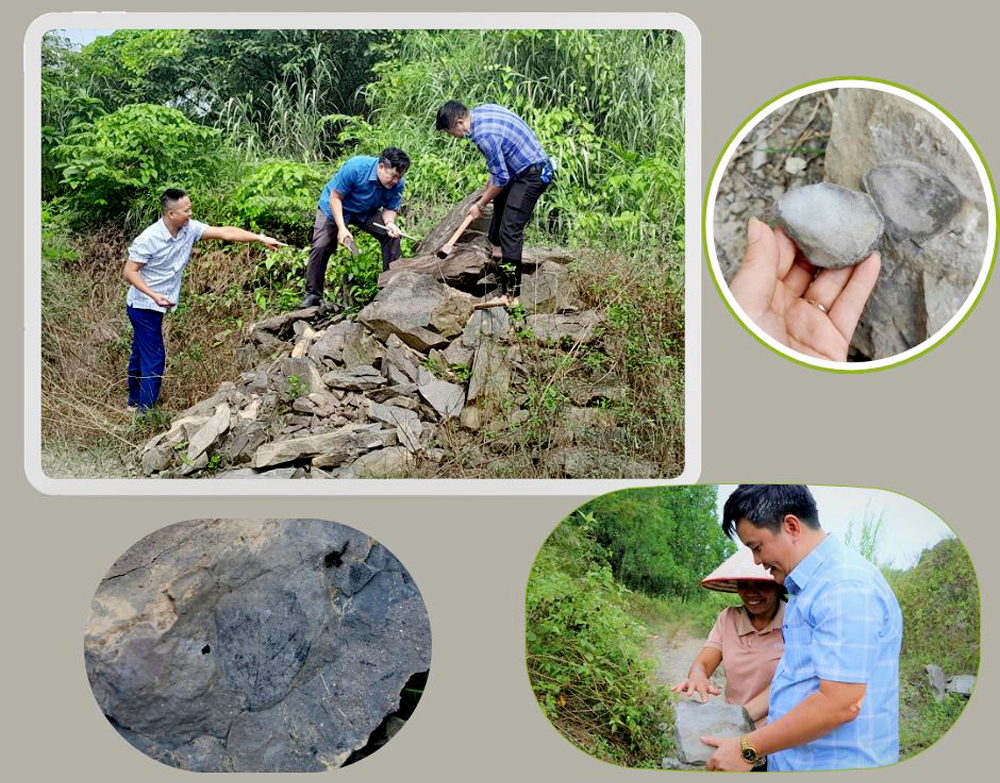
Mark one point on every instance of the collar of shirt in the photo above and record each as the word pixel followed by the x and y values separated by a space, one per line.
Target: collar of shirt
pixel 165 234
pixel 744 626
pixel 807 568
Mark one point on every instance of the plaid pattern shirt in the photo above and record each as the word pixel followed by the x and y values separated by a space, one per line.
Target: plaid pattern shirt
pixel 163 258
pixel 508 144
pixel 842 624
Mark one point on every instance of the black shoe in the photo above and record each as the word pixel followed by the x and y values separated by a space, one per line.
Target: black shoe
pixel 311 300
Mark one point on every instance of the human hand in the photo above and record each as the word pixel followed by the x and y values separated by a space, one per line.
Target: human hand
pixel 344 236
pixel 162 301
pixel 696 684
pixel 475 211
pixel 728 756
pixel 270 243
pixel 813 312
pixel 392 230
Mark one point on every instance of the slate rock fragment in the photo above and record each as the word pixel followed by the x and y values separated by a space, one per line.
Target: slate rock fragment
pixel 833 226
pixel 916 201
pixel 715 718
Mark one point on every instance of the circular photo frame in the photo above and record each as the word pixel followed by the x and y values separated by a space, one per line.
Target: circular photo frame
pixel 888 173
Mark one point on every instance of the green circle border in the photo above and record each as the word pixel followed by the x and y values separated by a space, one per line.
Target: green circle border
pixel 861 368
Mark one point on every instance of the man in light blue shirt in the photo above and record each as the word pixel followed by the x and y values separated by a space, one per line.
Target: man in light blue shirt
pixel 519 172
pixel 154 270
pixel 834 698
pixel 365 191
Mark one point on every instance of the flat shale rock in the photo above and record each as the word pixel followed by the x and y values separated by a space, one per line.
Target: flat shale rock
pixel 832 225
pixel 715 718
pixel 421 311
pixel 916 201
pixel 254 645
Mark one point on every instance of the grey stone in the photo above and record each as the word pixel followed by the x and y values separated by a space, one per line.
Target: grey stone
pixel 833 226
pixel 407 423
pixel 532 257
pixel 335 447
pixel 456 354
pixel 462 269
pixel 360 347
pixel 923 282
pixel 694 720
pixel 547 290
pixel 421 311
pixel 305 371
pixel 209 432
pixel 440 234
pixel 794 165
pixel 492 322
pixel 399 356
pixel 254 645
pixel 936 679
pixel 583 327
pixel 156 460
pixel 962 684
pixel 391 462
pixel 330 343
pixel 447 399
pixel 360 378
pixel 491 369
pixel 192 466
pixel 251 473
pixel 916 201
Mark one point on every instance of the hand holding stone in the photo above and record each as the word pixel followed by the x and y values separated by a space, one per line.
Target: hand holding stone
pixel 696 685
pixel 780 290
pixel 728 757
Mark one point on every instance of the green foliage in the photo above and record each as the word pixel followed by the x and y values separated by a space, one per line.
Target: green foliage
pixel 279 197
pixel 135 152
pixel 584 654
pixel 663 540
pixel 864 537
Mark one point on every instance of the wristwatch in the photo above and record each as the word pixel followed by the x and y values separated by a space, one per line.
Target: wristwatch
pixel 750 755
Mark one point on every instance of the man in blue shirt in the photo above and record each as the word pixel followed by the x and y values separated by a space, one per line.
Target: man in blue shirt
pixel 154 270
pixel 363 192
pixel 834 699
pixel 519 172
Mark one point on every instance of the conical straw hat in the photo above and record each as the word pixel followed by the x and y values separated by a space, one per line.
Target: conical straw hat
pixel 738 567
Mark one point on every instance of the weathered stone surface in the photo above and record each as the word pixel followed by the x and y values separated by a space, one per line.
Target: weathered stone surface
pixel 962 684
pixel 491 367
pixel 406 422
pixel 457 354
pixel 547 290
pixel 335 447
pixel 461 269
pixel 391 462
pixel 936 679
pixel 360 347
pixel 442 232
pixel 209 432
pixel 156 460
pixel 916 202
pixel 257 646
pixel 493 322
pixel 715 718
pixel 360 378
pixel 446 398
pixel 583 394
pixel 415 306
pixel 579 327
pixel 923 283
pixel 532 257
pixel 833 226
pixel 251 473
pixel 330 343
pixel 306 373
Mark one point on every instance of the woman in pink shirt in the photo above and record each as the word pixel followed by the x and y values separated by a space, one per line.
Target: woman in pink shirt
pixel 745 639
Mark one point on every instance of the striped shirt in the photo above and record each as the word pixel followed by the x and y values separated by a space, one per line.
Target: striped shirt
pixel 508 144
pixel 842 624
pixel 162 259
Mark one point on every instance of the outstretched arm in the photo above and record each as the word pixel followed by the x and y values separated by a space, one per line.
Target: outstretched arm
pixel 234 234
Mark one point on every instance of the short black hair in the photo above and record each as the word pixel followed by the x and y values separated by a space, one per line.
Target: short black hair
pixel 765 505
pixel 170 198
pixel 449 114
pixel 395 158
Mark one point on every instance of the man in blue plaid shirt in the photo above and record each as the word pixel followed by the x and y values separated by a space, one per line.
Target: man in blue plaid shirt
pixel 519 172
pixel 834 699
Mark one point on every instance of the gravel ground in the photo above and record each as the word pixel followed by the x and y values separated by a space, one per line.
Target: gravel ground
pixel 786 150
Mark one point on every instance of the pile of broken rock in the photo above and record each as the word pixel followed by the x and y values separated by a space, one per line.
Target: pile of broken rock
pixel 337 396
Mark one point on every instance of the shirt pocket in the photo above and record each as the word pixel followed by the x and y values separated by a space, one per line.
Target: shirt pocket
pixel 797 655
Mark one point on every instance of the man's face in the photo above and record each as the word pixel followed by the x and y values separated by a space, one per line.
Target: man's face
pixel 461 128
pixel 387 177
pixel 774 551
pixel 180 213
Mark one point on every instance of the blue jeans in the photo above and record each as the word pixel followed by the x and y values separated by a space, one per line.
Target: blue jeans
pixel 145 367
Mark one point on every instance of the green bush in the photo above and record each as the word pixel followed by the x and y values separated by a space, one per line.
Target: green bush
pixel 585 658
pixel 279 197
pixel 132 155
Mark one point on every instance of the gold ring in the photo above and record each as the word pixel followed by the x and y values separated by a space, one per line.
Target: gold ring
pixel 820 307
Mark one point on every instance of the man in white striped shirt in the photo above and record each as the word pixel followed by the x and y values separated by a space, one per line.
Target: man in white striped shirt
pixel 154 270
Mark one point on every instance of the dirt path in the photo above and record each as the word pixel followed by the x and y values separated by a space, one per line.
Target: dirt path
pixel 673 653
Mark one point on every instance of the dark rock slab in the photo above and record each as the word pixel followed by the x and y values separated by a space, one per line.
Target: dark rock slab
pixel 715 718
pixel 833 226
pixel 423 312
pixel 579 327
pixel 254 645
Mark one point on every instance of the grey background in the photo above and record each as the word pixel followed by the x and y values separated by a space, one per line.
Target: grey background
pixel 926 429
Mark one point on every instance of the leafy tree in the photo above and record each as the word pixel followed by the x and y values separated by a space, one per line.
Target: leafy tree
pixel 662 540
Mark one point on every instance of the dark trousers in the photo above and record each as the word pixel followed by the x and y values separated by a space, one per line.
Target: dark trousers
pixel 145 366
pixel 324 243
pixel 512 209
